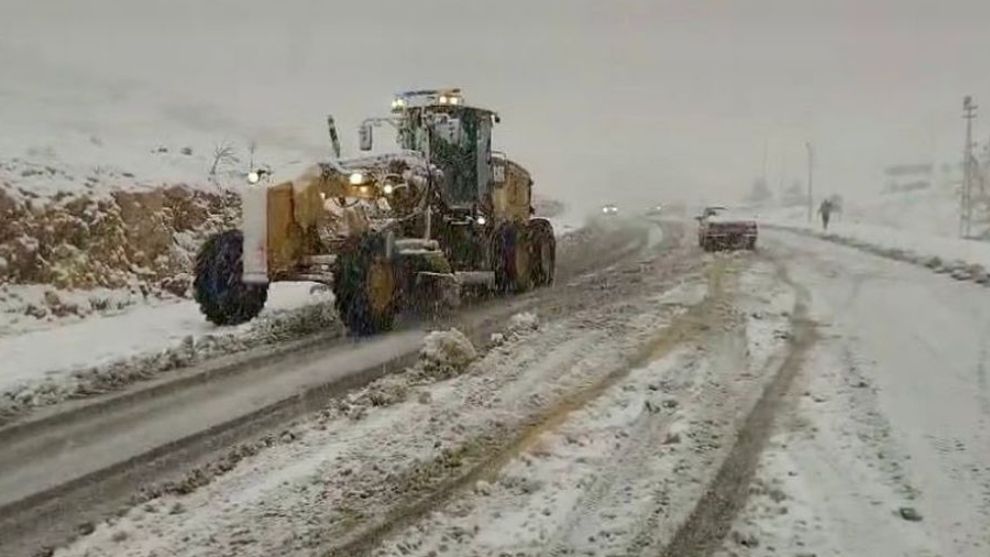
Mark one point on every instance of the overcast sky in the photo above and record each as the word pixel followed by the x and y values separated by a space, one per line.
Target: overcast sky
pixel 625 101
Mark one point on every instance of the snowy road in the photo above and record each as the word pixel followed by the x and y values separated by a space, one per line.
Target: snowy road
pixel 885 448
pixel 595 433
pixel 78 461
pixel 808 399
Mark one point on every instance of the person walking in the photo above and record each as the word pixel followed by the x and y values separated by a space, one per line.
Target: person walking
pixel 825 210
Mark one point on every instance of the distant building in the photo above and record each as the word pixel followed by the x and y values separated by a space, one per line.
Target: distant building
pixel 908 177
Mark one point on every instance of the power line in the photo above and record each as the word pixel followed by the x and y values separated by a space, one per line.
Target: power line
pixel 811 210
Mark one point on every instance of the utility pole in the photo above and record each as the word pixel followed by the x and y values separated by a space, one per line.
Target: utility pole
pixel 780 186
pixel 765 145
pixel 811 155
pixel 966 201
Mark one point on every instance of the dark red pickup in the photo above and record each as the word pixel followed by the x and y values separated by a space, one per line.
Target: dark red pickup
pixel 717 230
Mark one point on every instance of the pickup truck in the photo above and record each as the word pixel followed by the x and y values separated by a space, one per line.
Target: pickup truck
pixel 719 228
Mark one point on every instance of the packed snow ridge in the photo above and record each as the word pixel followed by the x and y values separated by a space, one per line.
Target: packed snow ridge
pixel 105 354
pixel 962 259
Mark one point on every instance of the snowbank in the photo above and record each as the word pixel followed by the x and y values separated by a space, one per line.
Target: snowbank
pixel 963 259
pixel 105 353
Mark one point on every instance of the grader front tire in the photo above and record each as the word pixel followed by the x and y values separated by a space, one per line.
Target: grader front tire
pixel 218 289
pixel 366 287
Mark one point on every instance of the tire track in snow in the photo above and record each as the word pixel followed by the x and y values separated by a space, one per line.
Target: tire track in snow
pixel 691 324
pixel 650 425
pixel 629 457
pixel 702 533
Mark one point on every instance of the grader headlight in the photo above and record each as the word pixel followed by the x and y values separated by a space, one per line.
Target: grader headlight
pixel 356 178
pixel 255 176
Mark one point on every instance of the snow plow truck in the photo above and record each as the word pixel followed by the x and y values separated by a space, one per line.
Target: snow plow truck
pixel 387 232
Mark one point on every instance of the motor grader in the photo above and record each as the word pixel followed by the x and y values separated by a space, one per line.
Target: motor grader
pixel 387 232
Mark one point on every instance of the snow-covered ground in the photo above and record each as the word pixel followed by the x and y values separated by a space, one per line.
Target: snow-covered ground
pixel 98 134
pixel 884 449
pixel 48 365
pixel 933 211
pixel 368 449
pixel 539 446
pixel 626 470
pixel 923 223
pixel 969 258
pixel 974 252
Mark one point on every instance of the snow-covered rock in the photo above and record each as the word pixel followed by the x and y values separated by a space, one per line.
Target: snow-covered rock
pixel 446 353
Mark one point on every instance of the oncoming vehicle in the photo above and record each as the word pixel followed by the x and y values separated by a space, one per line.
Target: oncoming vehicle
pixel 720 228
pixel 388 231
pixel 655 210
pixel 610 210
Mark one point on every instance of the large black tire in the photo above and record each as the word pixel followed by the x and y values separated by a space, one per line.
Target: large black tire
pixel 366 287
pixel 222 296
pixel 544 252
pixel 511 259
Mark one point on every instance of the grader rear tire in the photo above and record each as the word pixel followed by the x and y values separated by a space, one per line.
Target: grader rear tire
pixel 512 259
pixel 366 287
pixel 544 252
pixel 218 289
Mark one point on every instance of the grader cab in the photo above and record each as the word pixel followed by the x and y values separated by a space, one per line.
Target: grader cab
pixel 389 231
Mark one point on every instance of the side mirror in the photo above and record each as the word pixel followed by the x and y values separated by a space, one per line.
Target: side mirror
pixel 365 137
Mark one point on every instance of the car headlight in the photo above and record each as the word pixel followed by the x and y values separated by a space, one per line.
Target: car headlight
pixel 481 220
pixel 356 178
pixel 253 177
pixel 387 189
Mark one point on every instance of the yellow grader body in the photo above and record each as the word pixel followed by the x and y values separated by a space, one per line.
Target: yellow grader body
pixel 387 231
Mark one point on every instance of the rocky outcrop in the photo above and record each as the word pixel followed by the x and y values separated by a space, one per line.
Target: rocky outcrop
pixel 78 241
